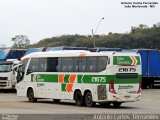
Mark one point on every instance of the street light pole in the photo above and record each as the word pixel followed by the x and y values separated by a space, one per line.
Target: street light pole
pixel 94 44
pixel 94 33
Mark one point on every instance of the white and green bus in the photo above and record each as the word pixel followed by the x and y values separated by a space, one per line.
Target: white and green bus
pixel 86 77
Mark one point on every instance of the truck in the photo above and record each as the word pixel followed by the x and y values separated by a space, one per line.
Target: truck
pixel 11 54
pixel 7 74
pixel 150 66
pixel 8 59
pixel 102 49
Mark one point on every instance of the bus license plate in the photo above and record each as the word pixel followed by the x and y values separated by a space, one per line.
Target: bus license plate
pixel 127 97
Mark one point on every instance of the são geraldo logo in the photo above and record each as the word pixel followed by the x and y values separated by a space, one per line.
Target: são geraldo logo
pixel 37 78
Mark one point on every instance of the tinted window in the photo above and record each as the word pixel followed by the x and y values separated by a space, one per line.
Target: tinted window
pixel 67 64
pixel 42 65
pixel 81 64
pixel 126 75
pixel 91 64
pixel 52 64
pixel 102 63
pixel 5 67
pixel 33 65
pixel 24 64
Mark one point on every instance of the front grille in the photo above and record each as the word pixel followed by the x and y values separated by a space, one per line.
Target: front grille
pixel 3 78
pixel 3 84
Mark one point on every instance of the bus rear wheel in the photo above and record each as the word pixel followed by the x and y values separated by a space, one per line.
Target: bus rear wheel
pixel 116 104
pixel 88 100
pixel 79 100
pixel 30 95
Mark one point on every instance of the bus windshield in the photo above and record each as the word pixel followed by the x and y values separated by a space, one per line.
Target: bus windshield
pixel 5 67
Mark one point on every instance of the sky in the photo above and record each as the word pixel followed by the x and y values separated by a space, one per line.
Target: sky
pixel 39 19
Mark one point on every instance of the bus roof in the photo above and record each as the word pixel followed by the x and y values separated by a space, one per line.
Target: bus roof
pixel 75 53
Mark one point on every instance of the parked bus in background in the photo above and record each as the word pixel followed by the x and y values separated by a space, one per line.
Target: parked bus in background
pixel 62 48
pixel 86 77
pixel 7 74
pixel 101 49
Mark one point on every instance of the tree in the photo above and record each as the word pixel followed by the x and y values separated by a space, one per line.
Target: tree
pixel 158 24
pixel 3 46
pixel 140 36
pixel 20 41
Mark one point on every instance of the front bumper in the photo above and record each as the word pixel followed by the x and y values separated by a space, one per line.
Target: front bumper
pixel 7 84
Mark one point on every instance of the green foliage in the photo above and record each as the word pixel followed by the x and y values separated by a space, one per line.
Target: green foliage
pixel 139 37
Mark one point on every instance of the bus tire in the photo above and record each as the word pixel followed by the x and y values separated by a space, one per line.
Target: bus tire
pixel 116 104
pixel 88 100
pixel 30 95
pixel 56 100
pixel 79 99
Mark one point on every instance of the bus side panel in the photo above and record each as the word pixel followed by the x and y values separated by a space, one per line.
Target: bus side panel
pixel 154 63
pixel 144 61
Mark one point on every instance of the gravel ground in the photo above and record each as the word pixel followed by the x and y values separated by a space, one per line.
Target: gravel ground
pixel 10 103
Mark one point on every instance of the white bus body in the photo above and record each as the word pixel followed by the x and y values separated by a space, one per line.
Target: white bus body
pixel 85 77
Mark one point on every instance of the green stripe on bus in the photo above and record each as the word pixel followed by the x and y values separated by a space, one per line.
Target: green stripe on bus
pixel 138 59
pixel 105 79
pixel 66 78
pixel 63 87
pixel 100 79
pixel 91 79
pixel 44 78
pixel 80 78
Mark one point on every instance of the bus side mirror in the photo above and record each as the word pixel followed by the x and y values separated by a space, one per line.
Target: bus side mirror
pixel 14 70
pixel 28 72
pixel 19 78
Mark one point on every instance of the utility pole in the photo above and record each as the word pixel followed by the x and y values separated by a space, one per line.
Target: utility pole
pixel 94 33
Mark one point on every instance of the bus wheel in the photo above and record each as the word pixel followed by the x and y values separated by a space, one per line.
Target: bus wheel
pixel 56 100
pixel 79 100
pixel 30 95
pixel 88 100
pixel 116 104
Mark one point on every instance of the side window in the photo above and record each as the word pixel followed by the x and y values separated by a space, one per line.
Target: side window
pixel 24 64
pixel 67 64
pixel 52 64
pixel 42 65
pixel 21 70
pixel 33 65
pixel 59 65
pixel 91 64
pixel 108 61
pixel 81 64
pixel 102 63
